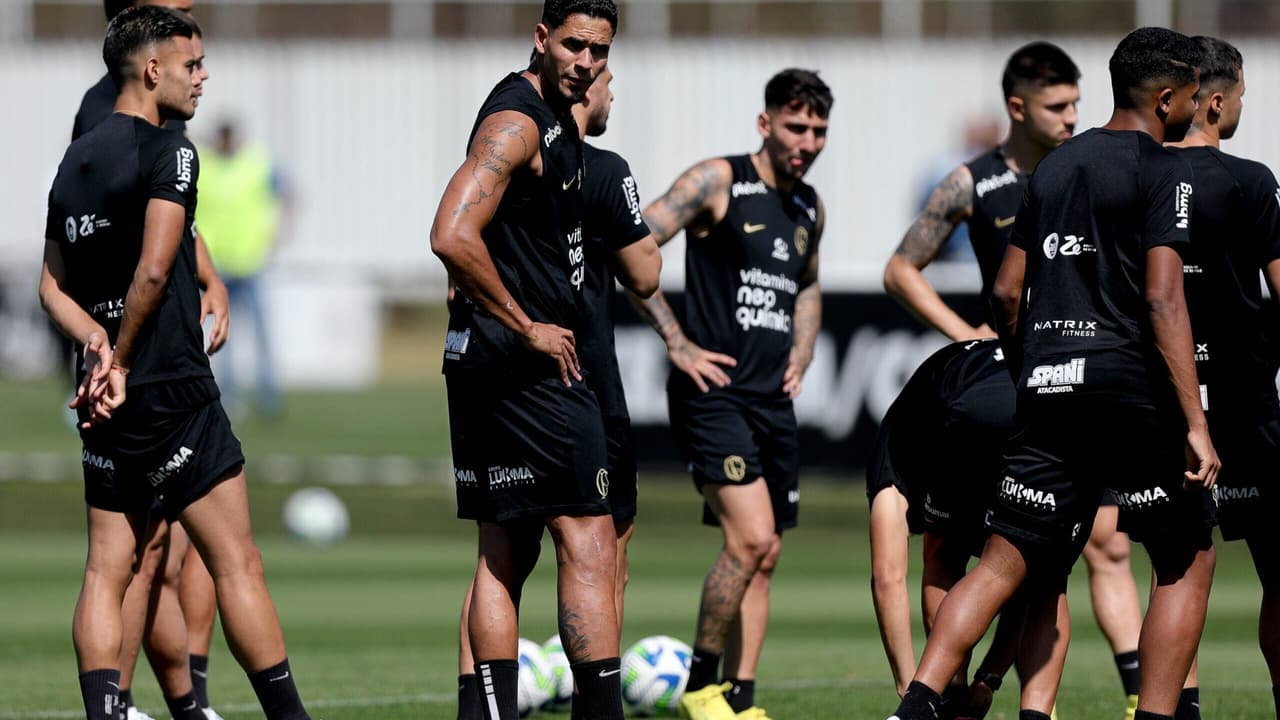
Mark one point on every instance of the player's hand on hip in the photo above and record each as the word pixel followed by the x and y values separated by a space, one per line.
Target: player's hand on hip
pixel 1202 460
pixel 215 301
pixel 702 366
pixel 559 344
pixel 792 379
pixel 97 364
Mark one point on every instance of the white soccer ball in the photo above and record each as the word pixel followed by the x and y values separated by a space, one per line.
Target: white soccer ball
pixel 561 674
pixel 535 685
pixel 316 515
pixel 654 673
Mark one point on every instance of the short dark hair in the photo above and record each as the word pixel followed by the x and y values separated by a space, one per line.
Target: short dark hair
pixel 1151 55
pixel 1041 64
pixel 112 8
pixel 1220 64
pixel 794 87
pixel 555 12
pixel 135 28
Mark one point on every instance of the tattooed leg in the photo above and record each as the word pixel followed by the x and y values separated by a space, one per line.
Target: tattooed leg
pixel 586 552
pixel 746 517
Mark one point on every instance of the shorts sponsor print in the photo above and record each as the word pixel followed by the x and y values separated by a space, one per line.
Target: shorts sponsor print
pixel 169 444
pixel 1247 494
pixel 1056 476
pixel 531 449
pixel 730 437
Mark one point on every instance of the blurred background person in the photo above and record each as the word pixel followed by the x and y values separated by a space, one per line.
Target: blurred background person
pixel 241 197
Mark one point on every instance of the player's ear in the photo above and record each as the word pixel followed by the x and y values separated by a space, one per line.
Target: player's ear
pixel 1017 108
pixel 151 71
pixel 1216 101
pixel 541 38
pixel 1164 101
pixel 763 124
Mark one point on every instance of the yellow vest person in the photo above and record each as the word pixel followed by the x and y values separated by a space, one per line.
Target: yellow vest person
pixel 238 212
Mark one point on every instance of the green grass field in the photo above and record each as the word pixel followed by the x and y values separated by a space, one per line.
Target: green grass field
pixel 371 622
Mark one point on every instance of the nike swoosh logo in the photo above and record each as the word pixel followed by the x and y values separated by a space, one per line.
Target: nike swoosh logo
pixel 197 673
pixel 278 679
pixel 190 707
pixel 1130 666
pixel 1005 222
pixel 749 228
pixel 569 184
pixel 607 673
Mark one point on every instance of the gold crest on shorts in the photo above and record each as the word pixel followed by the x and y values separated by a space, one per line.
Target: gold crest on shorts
pixel 735 468
pixel 801 240
pixel 602 482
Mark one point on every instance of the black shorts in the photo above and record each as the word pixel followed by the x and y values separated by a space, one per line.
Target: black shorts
pixel 623 474
pixel 947 475
pixel 524 450
pixel 1059 464
pixel 730 438
pixel 1248 490
pixel 166 447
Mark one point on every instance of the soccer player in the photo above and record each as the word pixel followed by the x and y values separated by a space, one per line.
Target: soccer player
pixel 753 309
pixel 617 241
pixel 1040 84
pixel 119 277
pixel 527 437
pixel 1235 236
pixel 1097 241
pixel 172 585
pixel 962 399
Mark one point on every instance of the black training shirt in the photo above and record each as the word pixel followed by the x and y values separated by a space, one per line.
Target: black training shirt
pixel 613 222
pixel 1093 209
pixel 997 195
pixel 1235 234
pixel 97 208
pixel 741 281
pixel 535 239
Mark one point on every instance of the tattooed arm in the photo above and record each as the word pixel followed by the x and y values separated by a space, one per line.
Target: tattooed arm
pixel 948 205
pixel 699 197
pixel 505 143
pixel 807 319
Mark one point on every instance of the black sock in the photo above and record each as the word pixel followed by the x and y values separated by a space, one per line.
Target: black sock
pixel 1127 664
pixel 742 695
pixel 126 700
pixel 1188 705
pixel 1144 715
pixel 704 667
pixel 469 698
pixel 955 702
pixel 277 694
pixel 100 690
pixel 200 678
pixel 1275 696
pixel 1032 715
pixel 919 703
pixel 599 685
pixel 186 707
pixel 497 682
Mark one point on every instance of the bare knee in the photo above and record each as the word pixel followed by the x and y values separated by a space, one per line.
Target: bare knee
pixel 752 549
pixel 241 558
pixel 770 560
